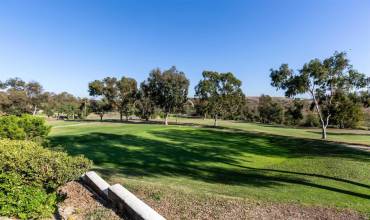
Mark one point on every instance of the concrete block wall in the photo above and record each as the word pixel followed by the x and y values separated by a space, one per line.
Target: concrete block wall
pixel 120 198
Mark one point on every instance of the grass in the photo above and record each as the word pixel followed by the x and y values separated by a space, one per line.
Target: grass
pixel 239 160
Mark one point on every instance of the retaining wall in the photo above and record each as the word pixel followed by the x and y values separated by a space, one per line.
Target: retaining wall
pixel 120 198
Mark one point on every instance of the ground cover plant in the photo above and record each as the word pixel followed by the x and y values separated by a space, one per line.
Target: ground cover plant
pixel 236 160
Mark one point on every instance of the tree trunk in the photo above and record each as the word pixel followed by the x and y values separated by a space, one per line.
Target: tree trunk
pixel 126 117
pixel 166 118
pixel 101 117
pixel 215 123
pixel 205 116
pixel 323 133
pixel 34 110
pixel 121 116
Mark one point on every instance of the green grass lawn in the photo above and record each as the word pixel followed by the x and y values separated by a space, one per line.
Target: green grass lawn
pixel 239 160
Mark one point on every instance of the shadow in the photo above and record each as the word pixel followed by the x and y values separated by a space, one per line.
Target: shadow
pixel 360 133
pixel 209 155
pixel 135 121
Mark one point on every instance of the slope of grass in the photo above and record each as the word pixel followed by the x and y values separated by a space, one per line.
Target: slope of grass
pixel 240 160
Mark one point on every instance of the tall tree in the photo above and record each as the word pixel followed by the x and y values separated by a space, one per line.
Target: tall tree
pixel 127 93
pixel 106 88
pixel 100 107
pixel 321 80
pixel 218 91
pixel 145 105
pixel 168 89
pixel 35 95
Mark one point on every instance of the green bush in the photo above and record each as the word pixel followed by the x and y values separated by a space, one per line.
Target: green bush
pixel 26 127
pixel 311 120
pixel 38 165
pixel 24 201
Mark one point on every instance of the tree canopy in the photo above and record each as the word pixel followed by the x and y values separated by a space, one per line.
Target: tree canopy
pixel 221 93
pixel 322 80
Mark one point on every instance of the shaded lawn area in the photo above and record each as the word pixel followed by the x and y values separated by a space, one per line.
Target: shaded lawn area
pixel 351 136
pixel 227 162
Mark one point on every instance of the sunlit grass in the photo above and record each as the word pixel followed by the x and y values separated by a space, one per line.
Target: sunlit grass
pixel 238 160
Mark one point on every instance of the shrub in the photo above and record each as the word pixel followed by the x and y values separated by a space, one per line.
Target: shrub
pixel 311 120
pixel 24 201
pixel 38 165
pixel 26 127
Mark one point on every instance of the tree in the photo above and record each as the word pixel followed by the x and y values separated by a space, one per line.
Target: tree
pixel 219 91
pixel 145 105
pixel 34 92
pixel 293 114
pixel 321 80
pixel 348 111
pixel 100 107
pixel 270 111
pixel 106 88
pixel 127 93
pixel 168 89
pixel 67 104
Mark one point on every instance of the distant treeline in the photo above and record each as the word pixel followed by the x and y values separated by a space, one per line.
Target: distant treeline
pixel 338 97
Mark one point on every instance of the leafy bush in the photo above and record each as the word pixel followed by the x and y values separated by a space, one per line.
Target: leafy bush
pixel 26 127
pixel 24 201
pixel 38 165
pixel 311 120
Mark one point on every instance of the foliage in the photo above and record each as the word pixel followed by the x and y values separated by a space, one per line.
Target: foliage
pixel 38 165
pixel 220 94
pixel 270 111
pixel 21 97
pixel 144 104
pixel 311 120
pixel 293 114
pixel 127 93
pixel 24 200
pixel 168 89
pixel 347 113
pixel 100 107
pixel 26 127
pixel 321 80
pixel 106 88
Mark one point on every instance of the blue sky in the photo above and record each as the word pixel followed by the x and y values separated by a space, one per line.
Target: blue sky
pixel 65 44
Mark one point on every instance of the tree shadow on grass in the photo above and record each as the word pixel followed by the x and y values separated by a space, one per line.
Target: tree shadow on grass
pixel 209 155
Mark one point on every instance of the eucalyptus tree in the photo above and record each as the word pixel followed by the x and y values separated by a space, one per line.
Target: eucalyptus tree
pixel 35 95
pixel 126 96
pixel 219 92
pixel 100 107
pixel 144 104
pixel 106 88
pixel 321 80
pixel 168 90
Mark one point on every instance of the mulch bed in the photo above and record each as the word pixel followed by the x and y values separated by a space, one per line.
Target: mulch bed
pixel 81 203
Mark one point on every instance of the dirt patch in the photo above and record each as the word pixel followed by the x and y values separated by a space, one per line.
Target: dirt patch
pixel 183 206
pixel 80 203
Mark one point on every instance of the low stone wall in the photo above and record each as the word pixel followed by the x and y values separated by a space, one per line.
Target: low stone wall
pixel 120 198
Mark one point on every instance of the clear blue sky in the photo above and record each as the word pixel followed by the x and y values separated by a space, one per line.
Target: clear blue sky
pixel 65 44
